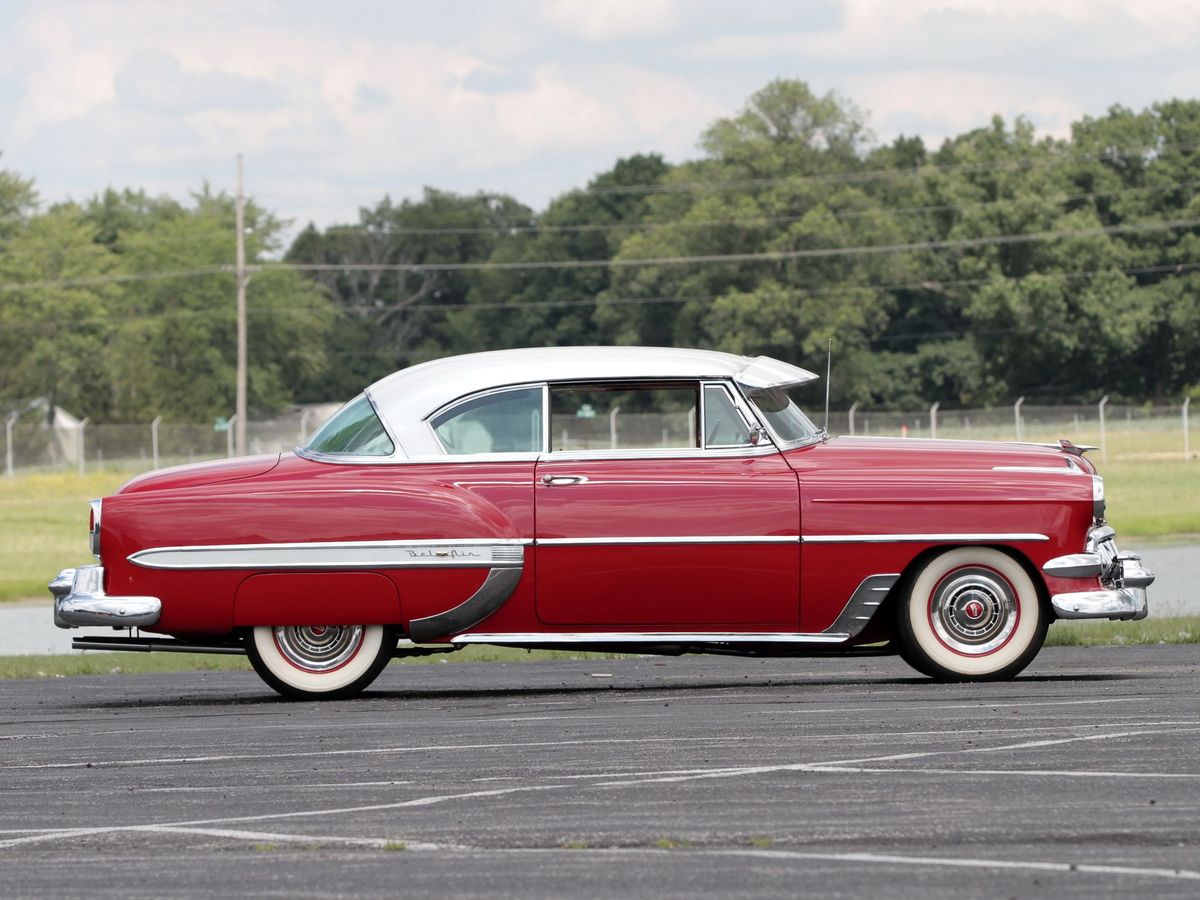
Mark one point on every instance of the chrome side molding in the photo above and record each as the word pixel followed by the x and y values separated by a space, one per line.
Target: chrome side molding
pixel 490 552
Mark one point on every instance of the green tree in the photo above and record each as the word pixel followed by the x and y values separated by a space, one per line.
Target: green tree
pixel 55 313
pixel 392 312
pixel 556 306
pixel 174 341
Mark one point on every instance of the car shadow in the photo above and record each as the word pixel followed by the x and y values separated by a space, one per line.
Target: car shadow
pixel 267 699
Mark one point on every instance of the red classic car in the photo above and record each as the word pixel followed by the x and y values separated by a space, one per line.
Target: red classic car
pixel 615 498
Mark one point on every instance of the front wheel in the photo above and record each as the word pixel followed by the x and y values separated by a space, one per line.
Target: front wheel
pixel 971 614
pixel 320 662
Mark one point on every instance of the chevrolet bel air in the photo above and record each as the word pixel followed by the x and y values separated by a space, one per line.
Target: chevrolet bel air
pixel 626 499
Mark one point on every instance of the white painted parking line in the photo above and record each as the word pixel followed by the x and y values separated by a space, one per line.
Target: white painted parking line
pixel 966 863
pixel 358 751
pixel 305 786
pixel 923 754
pixel 284 837
pixel 724 772
pixel 989 705
pixel 973 772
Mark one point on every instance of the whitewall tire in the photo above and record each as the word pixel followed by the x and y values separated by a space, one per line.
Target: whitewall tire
pixel 320 662
pixel 971 614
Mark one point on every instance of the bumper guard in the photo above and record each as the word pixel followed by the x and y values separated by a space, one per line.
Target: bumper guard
pixel 79 599
pixel 1123 581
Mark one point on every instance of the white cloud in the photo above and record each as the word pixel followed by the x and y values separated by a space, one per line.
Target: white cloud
pixel 335 105
pixel 610 20
pixel 940 103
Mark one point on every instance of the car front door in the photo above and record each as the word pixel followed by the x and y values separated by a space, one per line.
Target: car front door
pixel 659 507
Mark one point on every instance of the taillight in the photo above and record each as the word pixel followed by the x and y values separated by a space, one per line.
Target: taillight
pixel 94 527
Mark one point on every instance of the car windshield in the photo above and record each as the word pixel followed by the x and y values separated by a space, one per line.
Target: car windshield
pixel 354 430
pixel 779 407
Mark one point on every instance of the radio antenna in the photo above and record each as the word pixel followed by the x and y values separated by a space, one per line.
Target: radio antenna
pixel 828 372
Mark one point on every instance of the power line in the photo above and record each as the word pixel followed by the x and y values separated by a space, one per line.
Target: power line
pixel 336 230
pixel 767 256
pixel 96 280
pixel 935 285
pixel 619 263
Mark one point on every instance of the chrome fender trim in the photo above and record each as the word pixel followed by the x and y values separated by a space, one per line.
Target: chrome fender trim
pixel 646 637
pixel 79 599
pixel 466 552
pixel 491 595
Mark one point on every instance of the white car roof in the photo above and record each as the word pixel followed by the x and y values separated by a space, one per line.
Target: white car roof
pixel 406 398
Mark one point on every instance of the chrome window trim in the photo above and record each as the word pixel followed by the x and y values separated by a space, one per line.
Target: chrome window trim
pixel 938 538
pixel 467 552
pixel 463 459
pixel 664 453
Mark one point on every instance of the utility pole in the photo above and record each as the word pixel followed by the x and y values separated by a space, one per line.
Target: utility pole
pixel 240 415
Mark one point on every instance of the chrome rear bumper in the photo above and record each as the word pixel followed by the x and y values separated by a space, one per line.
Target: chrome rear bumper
pixel 1122 594
pixel 79 599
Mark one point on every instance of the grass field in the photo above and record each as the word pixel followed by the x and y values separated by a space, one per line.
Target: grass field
pixel 43 527
pixel 1184 630
pixel 43 517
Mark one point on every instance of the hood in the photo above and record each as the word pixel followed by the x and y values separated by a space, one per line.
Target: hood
pixel 199 474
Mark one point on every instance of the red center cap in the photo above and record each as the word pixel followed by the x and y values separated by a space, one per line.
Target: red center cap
pixel 319 630
pixel 974 609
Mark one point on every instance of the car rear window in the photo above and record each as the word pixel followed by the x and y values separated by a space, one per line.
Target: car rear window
pixel 354 430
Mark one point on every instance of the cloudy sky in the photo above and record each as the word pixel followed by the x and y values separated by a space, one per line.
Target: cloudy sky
pixel 337 102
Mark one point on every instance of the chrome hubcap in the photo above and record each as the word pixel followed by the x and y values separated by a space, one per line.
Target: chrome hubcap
pixel 973 611
pixel 318 648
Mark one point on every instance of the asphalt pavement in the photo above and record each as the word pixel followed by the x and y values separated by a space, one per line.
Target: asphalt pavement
pixel 696 777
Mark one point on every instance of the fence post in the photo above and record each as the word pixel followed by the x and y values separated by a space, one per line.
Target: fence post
pixel 154 439
pixel 80 443
pixel 1017 414
pixel 933 419
pixel 853 408
pixel 12 420
pixel 612 426
pixel 1103 442
pixel 229 436
pixel 1187 449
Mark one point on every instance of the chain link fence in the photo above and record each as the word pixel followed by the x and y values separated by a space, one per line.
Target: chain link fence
pixel 1120 431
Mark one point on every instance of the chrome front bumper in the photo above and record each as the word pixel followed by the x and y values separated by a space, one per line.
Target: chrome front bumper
pixel 1122 594
pixel 79 599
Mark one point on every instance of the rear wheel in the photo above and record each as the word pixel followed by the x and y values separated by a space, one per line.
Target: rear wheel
pixel 320 662
pixel 971 614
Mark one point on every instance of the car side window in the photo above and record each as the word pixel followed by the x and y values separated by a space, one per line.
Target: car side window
pixel 624 416
pixel 723 424
pixel 499 422
pixel 354 430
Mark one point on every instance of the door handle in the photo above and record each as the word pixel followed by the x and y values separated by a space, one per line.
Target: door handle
pixel 560 480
